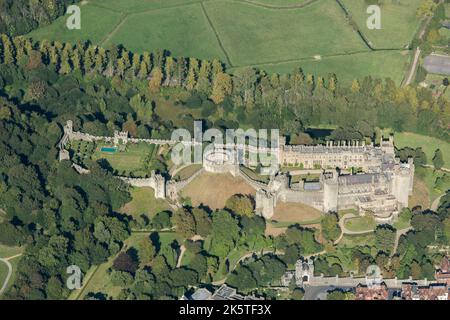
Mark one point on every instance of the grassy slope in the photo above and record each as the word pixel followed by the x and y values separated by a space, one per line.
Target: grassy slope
pixel 399 22
pixel 96 23
pixel 3 272
pixel 144 202
pixel 428 145
pixel 100 280
pixel 184 31
pixel 360 224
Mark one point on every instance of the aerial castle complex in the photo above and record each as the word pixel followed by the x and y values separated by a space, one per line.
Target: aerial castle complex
pixel 381 188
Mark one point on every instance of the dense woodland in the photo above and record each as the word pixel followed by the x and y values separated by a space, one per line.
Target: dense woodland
pixel 19 17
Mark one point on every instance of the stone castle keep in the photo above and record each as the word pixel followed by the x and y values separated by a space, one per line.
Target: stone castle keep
pixel 382 189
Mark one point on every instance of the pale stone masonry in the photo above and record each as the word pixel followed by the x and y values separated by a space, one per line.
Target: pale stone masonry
pixel 383 189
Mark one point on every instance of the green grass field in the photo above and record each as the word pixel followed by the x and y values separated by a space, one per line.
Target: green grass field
pixel 144 202
pixel 428 145
pixel 275 35
pixel 130 160
pixel 3 272
pixel 399 22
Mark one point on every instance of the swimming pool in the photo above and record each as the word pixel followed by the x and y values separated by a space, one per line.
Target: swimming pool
pixel 109 149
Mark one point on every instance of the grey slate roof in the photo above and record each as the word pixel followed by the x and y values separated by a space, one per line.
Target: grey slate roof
pixel 437 64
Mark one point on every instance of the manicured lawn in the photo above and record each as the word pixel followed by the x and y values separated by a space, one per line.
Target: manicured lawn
pixel 187 172
pixel 366 223
pixel 131 160
pixel 399 22
pixel 6 251
pixel 96 23
pixel 100 280
pixel 214 190
pixel 144 202
pixel 428 145
pixel 429 176
pixel 293 213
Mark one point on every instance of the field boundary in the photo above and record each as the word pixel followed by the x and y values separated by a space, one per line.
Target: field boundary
pixel 274 63
pixel 116 28
pixel 278 7
pixel 211 25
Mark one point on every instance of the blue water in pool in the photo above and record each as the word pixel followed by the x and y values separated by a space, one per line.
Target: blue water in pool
pixel 109 149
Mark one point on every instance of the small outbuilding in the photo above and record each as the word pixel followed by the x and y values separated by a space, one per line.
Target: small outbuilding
pixel 437 64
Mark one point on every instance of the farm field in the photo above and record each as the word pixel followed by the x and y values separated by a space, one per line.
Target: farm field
pixel 383 64
pixel 274 35
pixel 213 190
pixel 399 22
pixel 100 280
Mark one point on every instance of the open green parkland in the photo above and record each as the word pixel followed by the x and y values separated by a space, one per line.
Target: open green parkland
pixel 274 35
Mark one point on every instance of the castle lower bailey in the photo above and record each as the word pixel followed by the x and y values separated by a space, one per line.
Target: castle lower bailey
pixel 382 188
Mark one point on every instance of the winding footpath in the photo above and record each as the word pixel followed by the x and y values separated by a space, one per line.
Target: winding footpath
pixel 10 270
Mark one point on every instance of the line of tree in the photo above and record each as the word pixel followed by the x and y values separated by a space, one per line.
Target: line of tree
pixel 290 101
